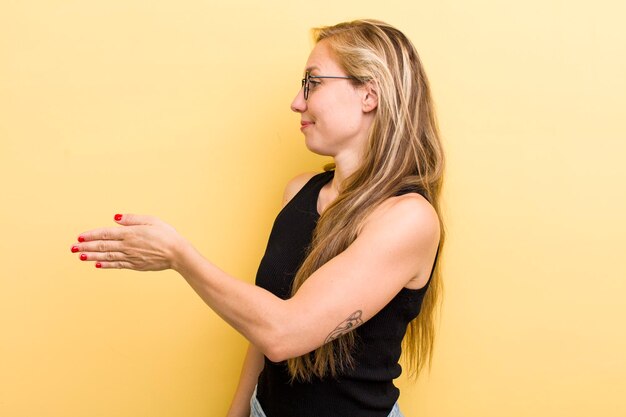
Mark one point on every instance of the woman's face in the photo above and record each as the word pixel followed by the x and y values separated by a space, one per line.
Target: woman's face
pixel 333 118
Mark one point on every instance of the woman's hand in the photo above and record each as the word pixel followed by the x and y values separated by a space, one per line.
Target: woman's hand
pixel 144 243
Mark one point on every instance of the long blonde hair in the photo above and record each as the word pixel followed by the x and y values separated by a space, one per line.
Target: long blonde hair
pixel 403 152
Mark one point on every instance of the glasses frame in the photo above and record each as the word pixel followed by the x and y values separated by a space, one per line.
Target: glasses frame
pixel 306 81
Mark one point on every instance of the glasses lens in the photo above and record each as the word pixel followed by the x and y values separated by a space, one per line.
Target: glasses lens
pixel 305 85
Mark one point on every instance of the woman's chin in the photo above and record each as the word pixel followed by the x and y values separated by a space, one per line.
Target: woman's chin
pixel 317 148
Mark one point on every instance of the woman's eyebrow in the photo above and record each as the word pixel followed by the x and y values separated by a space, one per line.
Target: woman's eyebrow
pixel 311 68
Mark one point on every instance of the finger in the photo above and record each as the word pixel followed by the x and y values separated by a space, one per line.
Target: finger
pixel 113 265
pixel 99 246
pixel 103 256
pixel 134 219
pixel 104 233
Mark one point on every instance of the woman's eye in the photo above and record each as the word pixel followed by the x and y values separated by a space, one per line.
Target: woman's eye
pixel 314 83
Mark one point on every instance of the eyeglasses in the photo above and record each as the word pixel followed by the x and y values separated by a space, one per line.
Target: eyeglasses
pixel 308 79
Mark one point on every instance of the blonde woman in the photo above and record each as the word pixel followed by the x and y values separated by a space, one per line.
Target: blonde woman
pixel 351 265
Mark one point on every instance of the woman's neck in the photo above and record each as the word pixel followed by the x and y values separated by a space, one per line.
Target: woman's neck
pixel 344 167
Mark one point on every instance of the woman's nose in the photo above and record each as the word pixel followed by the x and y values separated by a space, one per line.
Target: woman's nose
pixel 298 104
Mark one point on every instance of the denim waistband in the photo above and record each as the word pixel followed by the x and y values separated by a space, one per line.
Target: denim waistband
pixel 255 407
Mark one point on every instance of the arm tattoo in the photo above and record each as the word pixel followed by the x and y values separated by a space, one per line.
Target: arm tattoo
pixel 346 326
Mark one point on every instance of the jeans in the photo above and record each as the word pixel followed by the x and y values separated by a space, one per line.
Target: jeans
pixel 257 411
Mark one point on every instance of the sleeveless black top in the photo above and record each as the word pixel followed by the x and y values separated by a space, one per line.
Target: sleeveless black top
pixel 367 390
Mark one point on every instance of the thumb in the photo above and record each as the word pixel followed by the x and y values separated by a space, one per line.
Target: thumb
pixel 133 219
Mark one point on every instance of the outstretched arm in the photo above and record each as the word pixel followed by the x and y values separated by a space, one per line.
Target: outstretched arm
pixel 396 245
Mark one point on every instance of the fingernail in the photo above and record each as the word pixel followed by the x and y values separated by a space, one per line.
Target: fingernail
pixel 83 257
pixel 74 249
pixel 98 265
pixel 81 239
pixel 118 217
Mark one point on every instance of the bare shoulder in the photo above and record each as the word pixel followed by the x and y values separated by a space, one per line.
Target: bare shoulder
pixel 295 184
pixel 410 217
pixel 408 226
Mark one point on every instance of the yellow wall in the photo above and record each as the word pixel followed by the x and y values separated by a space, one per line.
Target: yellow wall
pixel 181 110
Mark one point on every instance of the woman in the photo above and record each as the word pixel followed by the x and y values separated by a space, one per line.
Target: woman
pixel 364 240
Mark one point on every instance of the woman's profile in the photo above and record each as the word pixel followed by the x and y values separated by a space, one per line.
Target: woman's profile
pixel 350 275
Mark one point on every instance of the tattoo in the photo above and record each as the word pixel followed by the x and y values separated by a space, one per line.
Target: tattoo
pixel 346 326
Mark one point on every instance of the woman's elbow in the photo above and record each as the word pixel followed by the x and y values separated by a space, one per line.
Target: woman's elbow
pixel 284 338
pixel 275 354
pixel 276 347
pixel 279 346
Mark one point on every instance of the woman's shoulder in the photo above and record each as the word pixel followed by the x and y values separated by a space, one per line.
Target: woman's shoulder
pixel 406 228
pixel 411 212
pixel 295 185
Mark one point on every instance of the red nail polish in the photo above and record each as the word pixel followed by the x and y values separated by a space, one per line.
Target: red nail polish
pixel 81 239
pixel 98 265
pixel 118 217
pixel 83 257
pixel 74 249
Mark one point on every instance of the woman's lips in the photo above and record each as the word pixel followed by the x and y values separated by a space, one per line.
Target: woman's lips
pixel 304 125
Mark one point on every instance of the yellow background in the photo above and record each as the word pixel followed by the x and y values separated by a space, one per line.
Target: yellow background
pixel 181 110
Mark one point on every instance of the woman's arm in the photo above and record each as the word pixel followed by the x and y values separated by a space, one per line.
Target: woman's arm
pixel 396 245
pixel 252 366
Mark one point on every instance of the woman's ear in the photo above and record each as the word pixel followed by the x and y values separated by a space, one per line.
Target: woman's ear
pixel 370 98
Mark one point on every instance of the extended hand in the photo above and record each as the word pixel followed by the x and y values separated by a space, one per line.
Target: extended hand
pixel 145 243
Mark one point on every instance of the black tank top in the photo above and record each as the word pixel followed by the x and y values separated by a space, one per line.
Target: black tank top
pixel 367 390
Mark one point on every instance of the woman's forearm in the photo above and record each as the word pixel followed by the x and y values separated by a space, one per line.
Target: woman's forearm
pixel 148 244
pixel 252 366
